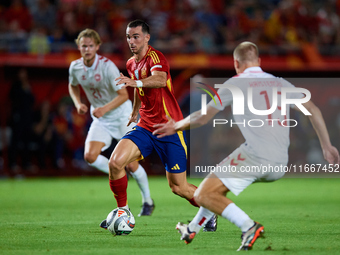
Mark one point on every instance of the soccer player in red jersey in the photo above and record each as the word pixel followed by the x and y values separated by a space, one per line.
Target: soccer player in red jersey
pixel 110 108
pixel 155 101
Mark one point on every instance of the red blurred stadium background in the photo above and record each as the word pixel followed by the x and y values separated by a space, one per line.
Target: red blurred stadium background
pixel 296 39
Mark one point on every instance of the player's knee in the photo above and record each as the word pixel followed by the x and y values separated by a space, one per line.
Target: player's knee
pixel 90 157
pixel 200 196
pixel 116 165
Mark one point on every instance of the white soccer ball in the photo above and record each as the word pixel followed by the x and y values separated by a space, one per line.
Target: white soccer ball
pixel 120 221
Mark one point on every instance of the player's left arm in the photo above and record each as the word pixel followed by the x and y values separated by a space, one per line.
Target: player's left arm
pixel 156 80
pixel 330 153
pixel 194 120
pixel 122 96
pixel 135 108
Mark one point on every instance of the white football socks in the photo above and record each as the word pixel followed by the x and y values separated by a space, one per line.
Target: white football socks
pixel 101 163
pixel 235 215
pixel 142 180
pixel 202 217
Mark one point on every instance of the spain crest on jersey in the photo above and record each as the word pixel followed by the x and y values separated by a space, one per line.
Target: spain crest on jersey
pixel 144 73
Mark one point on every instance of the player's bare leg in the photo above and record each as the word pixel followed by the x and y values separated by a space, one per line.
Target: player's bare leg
pixel 93 158
pixel 139 174
pixel 179 186
pixel 124 153
pixel 211 195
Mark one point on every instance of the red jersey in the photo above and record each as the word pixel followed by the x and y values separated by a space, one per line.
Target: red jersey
pixel 156 103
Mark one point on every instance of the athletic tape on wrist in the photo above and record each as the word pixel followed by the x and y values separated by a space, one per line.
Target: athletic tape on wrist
pixel 139 84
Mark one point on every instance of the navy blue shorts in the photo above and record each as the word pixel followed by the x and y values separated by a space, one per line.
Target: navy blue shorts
pixel 171 149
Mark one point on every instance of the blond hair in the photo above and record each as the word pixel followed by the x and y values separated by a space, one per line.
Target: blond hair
pixel 89 33
pixel 246 52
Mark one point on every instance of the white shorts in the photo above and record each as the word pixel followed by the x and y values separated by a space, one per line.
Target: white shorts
pixel 242 169
pixel 103 132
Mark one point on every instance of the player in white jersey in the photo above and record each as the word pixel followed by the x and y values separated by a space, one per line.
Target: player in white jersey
pixel 110 108
pixel 265 146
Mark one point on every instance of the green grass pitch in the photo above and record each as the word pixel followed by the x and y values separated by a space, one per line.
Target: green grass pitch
pixel 61 216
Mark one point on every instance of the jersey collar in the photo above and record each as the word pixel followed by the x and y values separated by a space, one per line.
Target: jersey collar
pixel 146 54
pixel 253 69
pixel 94 65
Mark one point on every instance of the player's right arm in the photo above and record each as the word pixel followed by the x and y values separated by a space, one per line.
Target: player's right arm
pixel 330 153
pixel 194 120
pixel 156 80
pixel 74 90
pixel 75 95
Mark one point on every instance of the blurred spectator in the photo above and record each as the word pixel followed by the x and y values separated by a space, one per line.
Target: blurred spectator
pixel 21 120
pixel 44 15
pixel 15 37
pixel 307 21
pixel 80 126
pixel 282 26
pixel 70 129
pixel 329 32
pixel 19 12
pixel 56 40
pixel 177 26
pixel 32 5
pixel 116 18
pixel 42 143
pixel 206 16
pixel 70 27
pixel 85 15
pixel 257 24
pixel 61 123
pixel 103 30
pixel 233 28
pixel 136 9
pixel 180 19
pixel 205 40
pixel 157 18
pixel 62 10
pixel 38 42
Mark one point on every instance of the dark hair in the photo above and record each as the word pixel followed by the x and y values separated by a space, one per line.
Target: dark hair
pixel 140 23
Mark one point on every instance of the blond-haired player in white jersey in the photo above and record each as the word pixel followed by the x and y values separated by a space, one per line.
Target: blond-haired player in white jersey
pixel 110 108
pixel 265 146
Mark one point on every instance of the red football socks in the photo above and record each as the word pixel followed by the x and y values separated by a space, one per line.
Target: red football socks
pixel 193 202
pixel 118 188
